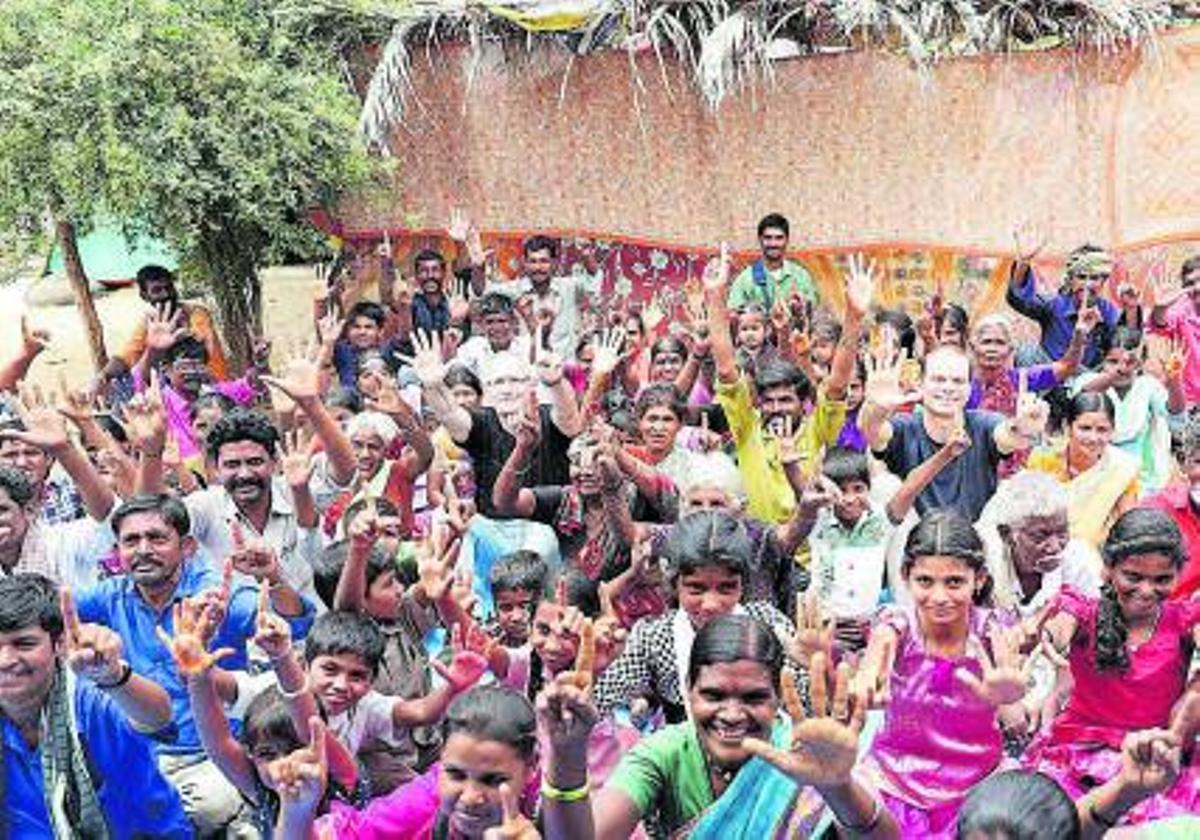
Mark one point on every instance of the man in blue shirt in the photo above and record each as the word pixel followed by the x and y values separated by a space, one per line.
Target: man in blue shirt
pixel 1087 270
pixel 154 544
pixel 105 765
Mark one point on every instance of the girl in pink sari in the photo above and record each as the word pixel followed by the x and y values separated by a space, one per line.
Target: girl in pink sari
pixel 943 689
pixel 488 771
pixel 1129 652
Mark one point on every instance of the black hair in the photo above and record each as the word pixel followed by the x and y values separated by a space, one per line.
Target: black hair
pixel 843 465
pixel 494 713
pixel 463 375
pixel 1187 439
pixel 902 323
pixel 947 533
pixel 1138 531
pixel 777 373
pixel 327 570
pixel 708 538
pixel 583 593
pixel 1126 338
pixel 753 308
pixel 367 309
pixel 114 429
pixel 660 394
pixel 185 347
pixel 1086 402
pixel 540 243
pixel 495 303
pixel 1018 805
pixel 825 325
pixel 241 424
pixel 1191 264
pixel 520 571
pixel 14 482
pixel 29 600
pixel 774 220
pixel 153 272
pixel 342 632
pixel 340 397
pixel 668 344
pixel 733 638
pixel 428 255
pixel 267 718
pixel 955 316
pixel 172 511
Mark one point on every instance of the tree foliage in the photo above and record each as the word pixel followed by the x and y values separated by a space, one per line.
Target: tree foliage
pixel 215 124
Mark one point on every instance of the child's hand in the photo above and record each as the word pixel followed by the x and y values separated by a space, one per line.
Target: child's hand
pixel 1004 678
pixel 186 646
pixel 820 493
pixel 566 714
pixel 466 667
pixel 300 778
pixel 516 826
pixel 814 630
pixel 367 527
pixel 271 632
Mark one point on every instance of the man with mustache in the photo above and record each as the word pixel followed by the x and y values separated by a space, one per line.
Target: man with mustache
pixel 772 278
pixel 155 545
pixel 777 406
pixel 251 507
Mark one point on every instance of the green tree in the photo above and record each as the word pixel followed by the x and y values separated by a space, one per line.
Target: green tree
pixel 210 123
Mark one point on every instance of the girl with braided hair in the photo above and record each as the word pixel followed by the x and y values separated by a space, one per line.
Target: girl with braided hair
pixel 947 671
pixel 1128 653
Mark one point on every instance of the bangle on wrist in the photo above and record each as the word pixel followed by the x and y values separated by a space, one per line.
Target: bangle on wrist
pixel 869 825
pixel 1100 818
pixel 126 676
pixel 573 795
pixel 292 695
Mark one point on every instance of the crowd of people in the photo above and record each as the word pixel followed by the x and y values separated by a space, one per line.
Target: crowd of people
pixel 499 559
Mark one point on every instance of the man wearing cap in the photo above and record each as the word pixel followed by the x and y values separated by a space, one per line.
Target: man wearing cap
pixel 1088 269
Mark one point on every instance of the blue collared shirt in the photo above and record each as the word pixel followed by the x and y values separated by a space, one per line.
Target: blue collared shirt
pixel 134 796
pixel 116 604
pixel 1057 316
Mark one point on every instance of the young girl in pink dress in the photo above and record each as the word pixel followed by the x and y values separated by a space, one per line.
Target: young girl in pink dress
pixel 1129 652
pixel 930 667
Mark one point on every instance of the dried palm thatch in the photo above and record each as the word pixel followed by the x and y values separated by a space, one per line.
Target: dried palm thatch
pixel 723 44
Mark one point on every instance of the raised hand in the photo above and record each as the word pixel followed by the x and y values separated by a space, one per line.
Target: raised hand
pixel 44 425
pixel 957 442
pixel 164 328
pixel 435 572
pixel 1089 317
pixel 860 285
pixel 1028 242
pixel 92 650
pixel 516 826
pixel 1150 760
pixel 295 458
pixel 716 272
pixel 254 557
pixel 824 746
pixel 271 633
pixel 466 666
pixel 549 364
pixel 33 339
pixel 820 493
pixel 300 778
pixel 1004 678
pixel 814 630
pixel 187 646
pixel 609 350
pixel 146 419
pixel 1032 411
pixel 872 685
pixel 301 377
pixel 1174 359
pixel 885 386
pixel 426 361
pixel 329 328
pixel 566 714
pixel 459 227
pixel 529 427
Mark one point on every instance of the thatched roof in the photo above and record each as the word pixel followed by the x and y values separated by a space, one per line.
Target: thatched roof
pixel 726 44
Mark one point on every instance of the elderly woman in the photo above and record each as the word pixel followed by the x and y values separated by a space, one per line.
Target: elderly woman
pixel 391 451
pixel 997 381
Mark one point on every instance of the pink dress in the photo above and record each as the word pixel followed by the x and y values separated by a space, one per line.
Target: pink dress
pixel 937 739
pixel 1082 747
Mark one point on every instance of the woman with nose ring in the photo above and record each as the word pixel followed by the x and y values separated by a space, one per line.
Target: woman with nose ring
pixel 1128 653
pixel 1101 480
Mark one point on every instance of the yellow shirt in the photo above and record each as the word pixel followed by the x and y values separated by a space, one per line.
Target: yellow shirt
pixel 770 496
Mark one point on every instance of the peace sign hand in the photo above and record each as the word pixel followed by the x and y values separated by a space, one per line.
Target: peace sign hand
pixel 271 632
pixel 716 272
pixel 1004 676
pixel 300 778
pixel 516 825
pixel 825 746
pixel 1032 411
pixel 92 650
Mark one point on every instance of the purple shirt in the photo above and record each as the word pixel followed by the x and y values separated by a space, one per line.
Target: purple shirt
pixel 179 410
pixel 1038 378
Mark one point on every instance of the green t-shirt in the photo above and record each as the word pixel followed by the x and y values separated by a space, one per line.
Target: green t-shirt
pixel 791 278
pixel 666 773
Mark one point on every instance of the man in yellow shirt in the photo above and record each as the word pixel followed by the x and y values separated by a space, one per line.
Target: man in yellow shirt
pixel 156 285
pixel 758 419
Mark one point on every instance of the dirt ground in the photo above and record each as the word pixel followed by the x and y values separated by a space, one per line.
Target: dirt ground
pixel 287 310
